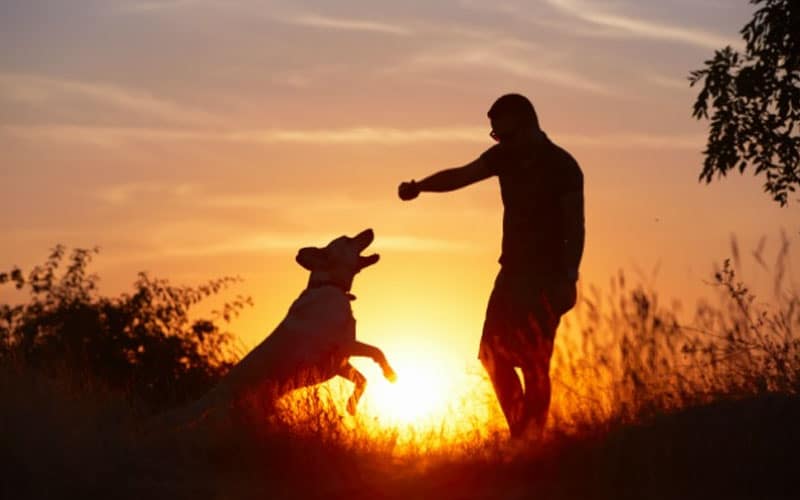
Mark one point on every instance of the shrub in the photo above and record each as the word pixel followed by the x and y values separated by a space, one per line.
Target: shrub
pixel 144 343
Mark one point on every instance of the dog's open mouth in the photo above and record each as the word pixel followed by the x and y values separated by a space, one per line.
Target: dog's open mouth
pixel 362 240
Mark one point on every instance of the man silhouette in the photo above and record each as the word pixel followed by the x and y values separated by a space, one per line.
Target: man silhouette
pixel 543 234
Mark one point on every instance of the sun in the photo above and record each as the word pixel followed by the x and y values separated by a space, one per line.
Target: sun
pixel 422 390
pixel 433 394
pixel 438 400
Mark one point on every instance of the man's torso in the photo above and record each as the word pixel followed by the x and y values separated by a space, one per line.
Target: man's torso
pixel 533 179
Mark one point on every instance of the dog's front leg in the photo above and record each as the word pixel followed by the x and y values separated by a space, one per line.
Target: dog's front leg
pixel 349 372
pixel 361 349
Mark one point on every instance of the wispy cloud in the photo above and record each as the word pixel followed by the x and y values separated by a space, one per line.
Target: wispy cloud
pixel 361 135
pixel 315 203
pixel 101 136
pixel 153 6
pixel 638 140
pixel 346 24
pixel 419 244
pixel 34 89
pixel 505 61
pixel 125 193
pixel 114 136
pixel 588 11
pixel 167 241
pixel 668 82
pixel 308 200
pixel 549 23
pixel 108 136
pixel 279 241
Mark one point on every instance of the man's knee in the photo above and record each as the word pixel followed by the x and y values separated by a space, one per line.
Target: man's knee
pixel 487 357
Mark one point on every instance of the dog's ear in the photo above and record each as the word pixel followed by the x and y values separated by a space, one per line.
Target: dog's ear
pixel 367 261
pixel 312 258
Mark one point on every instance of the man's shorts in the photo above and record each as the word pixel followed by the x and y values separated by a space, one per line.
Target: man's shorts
pixel 521 320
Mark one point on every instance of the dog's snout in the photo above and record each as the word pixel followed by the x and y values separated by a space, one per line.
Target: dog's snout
pixel 364 238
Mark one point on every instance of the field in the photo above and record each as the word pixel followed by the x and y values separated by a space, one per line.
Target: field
pixel 644 407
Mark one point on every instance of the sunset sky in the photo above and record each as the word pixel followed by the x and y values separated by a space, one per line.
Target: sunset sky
pixel 200 138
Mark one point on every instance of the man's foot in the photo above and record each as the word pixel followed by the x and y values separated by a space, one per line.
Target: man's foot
pixel 533 431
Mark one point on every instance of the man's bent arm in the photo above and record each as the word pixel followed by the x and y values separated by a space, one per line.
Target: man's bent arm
pixel 455 178
pixel 574 232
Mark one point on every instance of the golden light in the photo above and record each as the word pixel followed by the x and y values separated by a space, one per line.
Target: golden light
pixel 436 399
pixel 439 400
pixel 422 390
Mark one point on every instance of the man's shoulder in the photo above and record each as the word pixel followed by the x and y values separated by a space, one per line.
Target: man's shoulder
pixel 566 167
pixel 562 156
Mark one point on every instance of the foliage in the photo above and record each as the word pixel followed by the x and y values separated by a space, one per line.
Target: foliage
pixel 629 356
pixel 755 98
pixel 143 343
pixel 642 403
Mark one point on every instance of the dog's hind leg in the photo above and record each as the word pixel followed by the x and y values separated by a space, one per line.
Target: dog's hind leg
pixel 361 349
pixel 349 372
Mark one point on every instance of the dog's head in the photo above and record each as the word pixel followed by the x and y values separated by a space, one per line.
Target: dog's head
pixel 340 261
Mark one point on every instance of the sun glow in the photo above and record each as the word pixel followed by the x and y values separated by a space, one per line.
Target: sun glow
pixel 421 391
pixel 438 401
pixel 434 398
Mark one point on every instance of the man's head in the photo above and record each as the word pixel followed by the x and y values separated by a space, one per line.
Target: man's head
pixel 511 114
pixel 340 260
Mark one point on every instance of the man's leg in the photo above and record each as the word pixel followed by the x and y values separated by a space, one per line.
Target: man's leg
pixel 507 388
pixel 537 390
pixel 542 324
pixel 506 383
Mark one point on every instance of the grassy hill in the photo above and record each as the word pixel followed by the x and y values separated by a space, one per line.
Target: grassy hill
pixel 645 406
pixel 58 444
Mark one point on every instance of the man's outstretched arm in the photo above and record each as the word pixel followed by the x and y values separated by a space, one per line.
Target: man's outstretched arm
pixel 446 180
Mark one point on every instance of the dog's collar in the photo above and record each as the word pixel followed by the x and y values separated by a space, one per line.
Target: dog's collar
pixel 320 284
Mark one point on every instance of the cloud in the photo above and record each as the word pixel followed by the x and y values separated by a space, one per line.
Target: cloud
pixel 132 192
pixel 499 59
pixel 417 244
pixel 115 136
pixel 124 193
pixel 587 11
pixel 634 140
pixel 279 241
pixel 311 202
pixel 38 90
pixel 361 135
pixel 154 6
pixel 101 136
pixel 346 24
pixel 668 82
pixel 519 13
pixel 110 136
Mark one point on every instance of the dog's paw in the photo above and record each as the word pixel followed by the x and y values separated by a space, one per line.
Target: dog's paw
pixel 390 375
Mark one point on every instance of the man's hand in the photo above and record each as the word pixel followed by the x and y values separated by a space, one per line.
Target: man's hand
pixel 408 190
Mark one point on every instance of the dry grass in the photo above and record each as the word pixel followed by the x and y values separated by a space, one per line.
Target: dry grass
pixel 645 407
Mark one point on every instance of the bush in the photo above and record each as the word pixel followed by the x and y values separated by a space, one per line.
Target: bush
pixel 143 343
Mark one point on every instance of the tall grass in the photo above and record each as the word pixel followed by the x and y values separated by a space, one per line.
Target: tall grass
pixel 629 356
pixel 642 399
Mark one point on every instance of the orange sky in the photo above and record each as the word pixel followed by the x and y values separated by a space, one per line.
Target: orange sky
pixel 200 138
